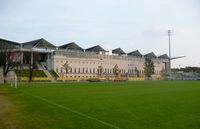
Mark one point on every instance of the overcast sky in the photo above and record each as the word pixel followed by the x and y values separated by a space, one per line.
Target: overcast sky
pixel 128 24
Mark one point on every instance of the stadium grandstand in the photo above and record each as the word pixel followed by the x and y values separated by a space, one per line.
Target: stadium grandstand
pixel 72 61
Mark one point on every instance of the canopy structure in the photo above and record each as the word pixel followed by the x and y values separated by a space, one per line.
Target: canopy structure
pixel 150 55
pixel 71 46
pixel 118 51
pixel 164 56
pixel 39 43
pixel 135 53
pixel 43 46
pixel 8 44
pixel 96 48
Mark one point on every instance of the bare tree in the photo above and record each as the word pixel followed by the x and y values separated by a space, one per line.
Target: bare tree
pixel 9 58
pixel 137 72
pixel 163 73
pixel 67 67
pixel 31 58
pixel 28 57
pixel 100 71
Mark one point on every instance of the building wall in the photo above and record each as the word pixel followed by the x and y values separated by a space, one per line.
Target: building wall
pixel 85 65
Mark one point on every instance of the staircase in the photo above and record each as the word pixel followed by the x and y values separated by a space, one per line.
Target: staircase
pixel 43 68
pixel 49 75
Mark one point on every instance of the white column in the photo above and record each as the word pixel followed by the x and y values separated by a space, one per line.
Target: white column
pixel 31 59
pixel 21 57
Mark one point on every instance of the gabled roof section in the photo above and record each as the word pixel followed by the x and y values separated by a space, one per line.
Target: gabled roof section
pixel 164 56
pixel 39 43
pixel 150 55
pixel 95 49
pixel 71 46
pixel 9 42
pixel 118 51
pixel 135 53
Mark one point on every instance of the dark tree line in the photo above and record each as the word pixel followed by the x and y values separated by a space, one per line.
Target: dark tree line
pixel 188 69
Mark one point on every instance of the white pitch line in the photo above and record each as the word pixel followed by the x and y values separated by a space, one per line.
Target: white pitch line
pixel 74 111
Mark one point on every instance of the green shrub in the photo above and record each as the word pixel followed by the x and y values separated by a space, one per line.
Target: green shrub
pixel 94 80
pixel 25 73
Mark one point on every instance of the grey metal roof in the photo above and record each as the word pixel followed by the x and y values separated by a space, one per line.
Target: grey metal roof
pixel 150 55
pixel 95 49
pixel 164 56
pixel 71 46
pixel 118 51
pixel 7 43
pixel 135 53
pixel 39 43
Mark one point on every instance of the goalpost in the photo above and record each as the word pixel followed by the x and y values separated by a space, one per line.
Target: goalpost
pixel 13 81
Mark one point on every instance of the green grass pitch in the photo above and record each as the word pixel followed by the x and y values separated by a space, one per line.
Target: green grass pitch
pixel 101 105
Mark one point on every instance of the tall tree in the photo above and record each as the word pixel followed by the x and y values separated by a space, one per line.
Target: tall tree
pixel 9 58
pixel 116 71
pixel 100 71
pixel 148 67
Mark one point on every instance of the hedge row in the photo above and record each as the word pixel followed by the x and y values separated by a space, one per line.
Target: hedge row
pixel 25 73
